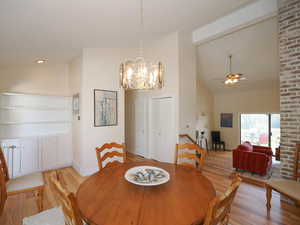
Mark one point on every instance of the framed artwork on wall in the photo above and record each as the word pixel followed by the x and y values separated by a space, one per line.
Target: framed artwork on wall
pixel 105 108
pixel 76 104
pixel 226 119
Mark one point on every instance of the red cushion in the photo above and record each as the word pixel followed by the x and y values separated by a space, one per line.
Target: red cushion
pixel 246 146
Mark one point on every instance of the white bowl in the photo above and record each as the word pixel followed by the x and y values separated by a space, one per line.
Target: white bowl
pixel 129 176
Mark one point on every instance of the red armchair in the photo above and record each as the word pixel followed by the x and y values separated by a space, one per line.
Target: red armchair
pixel 255 159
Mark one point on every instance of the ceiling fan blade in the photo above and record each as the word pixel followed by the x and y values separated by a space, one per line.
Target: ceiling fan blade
pixel 216 79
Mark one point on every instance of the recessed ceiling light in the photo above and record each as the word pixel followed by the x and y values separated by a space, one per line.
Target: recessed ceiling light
pixel 40 61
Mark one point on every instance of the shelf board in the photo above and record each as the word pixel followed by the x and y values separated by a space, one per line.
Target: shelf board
pixel 37 122
pixel 34 108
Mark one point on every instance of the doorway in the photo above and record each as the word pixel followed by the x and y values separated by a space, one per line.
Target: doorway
pixel 261 129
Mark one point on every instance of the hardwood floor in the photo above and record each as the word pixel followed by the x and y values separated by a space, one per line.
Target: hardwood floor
pixel 248 207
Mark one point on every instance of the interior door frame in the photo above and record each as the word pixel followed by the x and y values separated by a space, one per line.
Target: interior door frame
pixel 269 125
pixel 174 133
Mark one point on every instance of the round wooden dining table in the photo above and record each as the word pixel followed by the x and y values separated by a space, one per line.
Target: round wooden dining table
pixel 106 198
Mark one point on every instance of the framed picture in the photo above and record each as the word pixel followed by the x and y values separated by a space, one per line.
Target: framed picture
pixel 105 108
pixel 226 119
pixel 76 104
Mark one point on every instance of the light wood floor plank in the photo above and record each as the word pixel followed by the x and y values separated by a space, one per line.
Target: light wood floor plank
pixel 248 207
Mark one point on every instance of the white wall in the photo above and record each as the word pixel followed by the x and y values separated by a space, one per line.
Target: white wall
pixel 187 84
pixel 165 50
pixel 43 79
pixel 100 70
pixel 253 101
pixel 75 76
pixel 205 109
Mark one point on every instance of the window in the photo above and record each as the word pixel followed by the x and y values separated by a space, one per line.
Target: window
pixel 260 129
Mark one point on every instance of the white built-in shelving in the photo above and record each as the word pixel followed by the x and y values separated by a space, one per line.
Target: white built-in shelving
pixel 35 132
pixel 25 115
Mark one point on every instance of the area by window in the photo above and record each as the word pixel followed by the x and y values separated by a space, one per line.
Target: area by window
pixel 261 129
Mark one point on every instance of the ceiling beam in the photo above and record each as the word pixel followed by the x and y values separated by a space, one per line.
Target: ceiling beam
pixel 239 19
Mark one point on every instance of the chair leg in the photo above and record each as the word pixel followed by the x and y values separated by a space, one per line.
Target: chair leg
pixel 269 196
pixel 40 198
pixel 226 220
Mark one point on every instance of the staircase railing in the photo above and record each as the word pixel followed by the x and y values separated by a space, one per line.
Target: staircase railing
pixel 188 137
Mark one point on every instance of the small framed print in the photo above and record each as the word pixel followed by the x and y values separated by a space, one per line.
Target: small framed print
pixel 226 119
pixel 105 108
pixel 76 104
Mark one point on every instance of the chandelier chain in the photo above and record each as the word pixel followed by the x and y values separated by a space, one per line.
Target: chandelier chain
pixel 141 27
pixel 230 63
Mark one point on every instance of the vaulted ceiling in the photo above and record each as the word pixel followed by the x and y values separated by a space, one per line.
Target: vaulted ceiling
pixel 58 29
pixel 255 54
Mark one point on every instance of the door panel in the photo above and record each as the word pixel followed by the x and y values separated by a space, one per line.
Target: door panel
pixel 28 156
pixel 140 127
pixel 49 152
pixel 162 123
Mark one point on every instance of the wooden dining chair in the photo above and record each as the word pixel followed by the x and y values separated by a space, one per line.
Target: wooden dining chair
pixel 29 183
pixel 66 214
pixel 219 208
pixel 3 192
pixel 105 153
pixel 289 188
pixel 185 153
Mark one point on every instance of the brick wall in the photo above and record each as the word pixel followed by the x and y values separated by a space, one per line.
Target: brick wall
pixel 289 52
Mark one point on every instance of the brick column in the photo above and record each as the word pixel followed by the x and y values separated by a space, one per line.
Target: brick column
pixel 289 52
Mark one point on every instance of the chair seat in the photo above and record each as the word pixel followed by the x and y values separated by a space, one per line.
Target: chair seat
pixel 25 182
pixel 54 216
pixel 288 187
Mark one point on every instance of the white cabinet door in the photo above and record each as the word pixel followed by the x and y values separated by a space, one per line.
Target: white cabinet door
pixel 6 147
pixel 64 150
pixel 48 147
pixel 21 156
pixel 56 151
pixel 32 154
pixel 29 156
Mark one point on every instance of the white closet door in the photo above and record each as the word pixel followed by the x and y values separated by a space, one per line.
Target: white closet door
pixel 162 128
pixel 140 127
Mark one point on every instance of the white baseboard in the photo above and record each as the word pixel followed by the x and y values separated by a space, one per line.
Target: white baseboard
pixel 88 171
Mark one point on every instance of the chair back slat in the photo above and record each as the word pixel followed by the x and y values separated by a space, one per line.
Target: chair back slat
pixel 3 191
pixel 68 203
pixel 110 154
pixel 297 163
pixel 197 156
pixel 3 165
pixel 219 208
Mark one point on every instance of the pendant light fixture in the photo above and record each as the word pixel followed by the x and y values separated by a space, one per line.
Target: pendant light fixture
pixel 137 73
pixel 232 78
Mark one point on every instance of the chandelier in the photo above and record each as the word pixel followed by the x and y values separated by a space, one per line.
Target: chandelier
pixel 232 78
pixel 139 74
